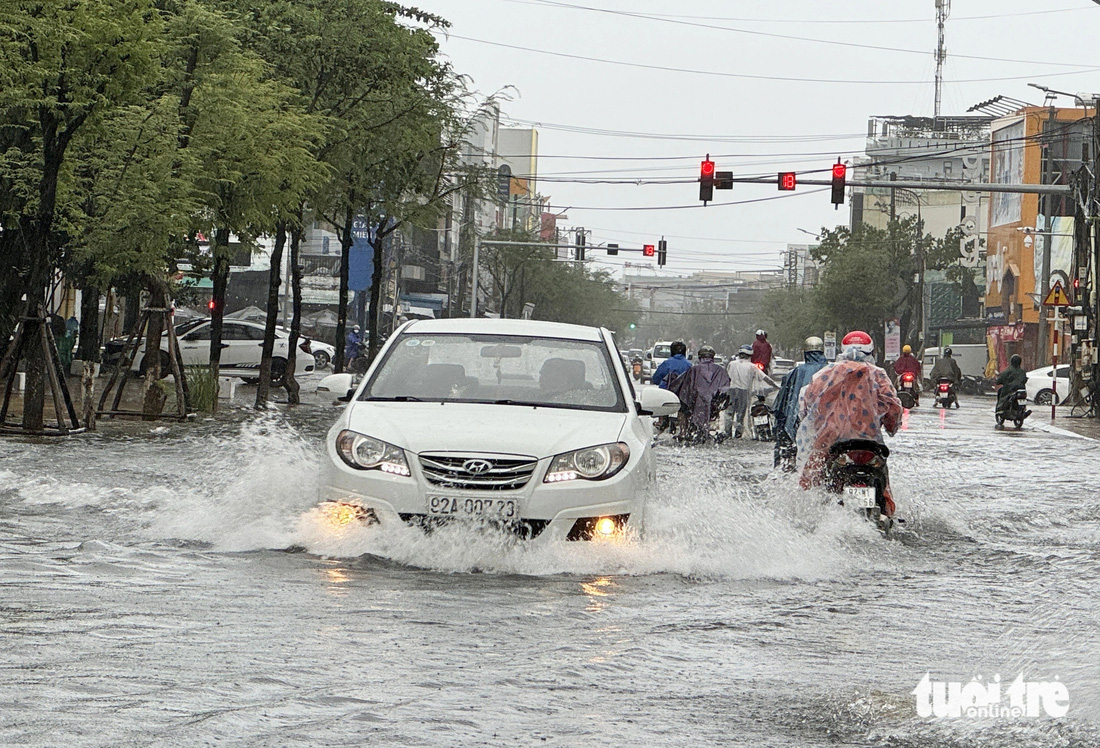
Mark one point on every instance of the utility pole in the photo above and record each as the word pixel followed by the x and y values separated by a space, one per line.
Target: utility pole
pixel 1043 341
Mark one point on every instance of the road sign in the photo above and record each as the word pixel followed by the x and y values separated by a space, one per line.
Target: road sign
pixel 1057 296
pixel 830 345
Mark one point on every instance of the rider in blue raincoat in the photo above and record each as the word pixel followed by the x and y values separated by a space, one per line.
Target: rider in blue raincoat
pixel 785 408
pixel 673 366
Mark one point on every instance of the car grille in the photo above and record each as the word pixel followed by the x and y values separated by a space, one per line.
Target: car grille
pixel 478 472
pixel 524 529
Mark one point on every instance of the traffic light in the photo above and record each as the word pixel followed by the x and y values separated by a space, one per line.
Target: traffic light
pixel 612 249
pixel 648 250
pixel 632 325
pixel 580 245
pixel 840 175
pixel 787 180
pixel 706 180
pixel 662 252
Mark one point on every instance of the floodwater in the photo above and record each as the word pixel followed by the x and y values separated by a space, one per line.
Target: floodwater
pixel 170 585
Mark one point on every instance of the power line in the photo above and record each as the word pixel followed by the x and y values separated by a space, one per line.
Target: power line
pixel 747 76
pixel 845 21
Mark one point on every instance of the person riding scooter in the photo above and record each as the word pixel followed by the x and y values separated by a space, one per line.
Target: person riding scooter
pixel 1008 382
pixel 697 389
pixel 947 369
pixel 907 363
pixel 743 377
pixel 786 402
pixel 853 399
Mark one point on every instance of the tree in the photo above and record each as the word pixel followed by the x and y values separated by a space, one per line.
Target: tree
pixel 869 275
pixel 64 64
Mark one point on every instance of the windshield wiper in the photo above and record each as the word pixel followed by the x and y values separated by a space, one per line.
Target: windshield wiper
pixel 397 399
pixel 516 402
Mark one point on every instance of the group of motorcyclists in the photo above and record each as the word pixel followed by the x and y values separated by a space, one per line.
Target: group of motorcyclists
pixel 819 404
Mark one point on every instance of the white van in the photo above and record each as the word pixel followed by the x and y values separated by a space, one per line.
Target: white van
pixel 971 358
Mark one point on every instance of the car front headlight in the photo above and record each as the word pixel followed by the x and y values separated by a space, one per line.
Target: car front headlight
pixel 591 463
pixel 364 452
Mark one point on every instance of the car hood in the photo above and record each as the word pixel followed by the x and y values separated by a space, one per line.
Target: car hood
pixel 475 427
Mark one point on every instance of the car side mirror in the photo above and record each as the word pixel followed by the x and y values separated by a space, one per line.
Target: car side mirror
pixel 347 398
pixel 653 401
pixel 649 356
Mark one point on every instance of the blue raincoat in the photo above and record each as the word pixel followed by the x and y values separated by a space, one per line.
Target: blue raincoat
pixel 786 402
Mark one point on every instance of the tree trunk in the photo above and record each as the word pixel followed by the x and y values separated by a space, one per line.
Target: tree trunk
pixel 274 281
pixel 153 400
pixel 342 303
pixel 293 389
pixel 376 281
pixel 88 347
pixel 217 313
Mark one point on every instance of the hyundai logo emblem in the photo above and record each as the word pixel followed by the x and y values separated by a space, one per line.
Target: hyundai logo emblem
pixel 477 467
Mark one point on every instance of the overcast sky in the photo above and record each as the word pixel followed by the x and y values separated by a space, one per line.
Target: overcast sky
pixel 748 92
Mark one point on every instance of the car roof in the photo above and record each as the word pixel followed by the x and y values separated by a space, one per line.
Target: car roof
pixel 533 328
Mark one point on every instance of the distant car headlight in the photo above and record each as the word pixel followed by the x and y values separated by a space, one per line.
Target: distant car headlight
pixel 364 452
pixel 591 463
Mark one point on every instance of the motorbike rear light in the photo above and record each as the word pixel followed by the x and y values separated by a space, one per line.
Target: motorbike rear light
pixel 861 456
pixel 907 377
pixel 944 388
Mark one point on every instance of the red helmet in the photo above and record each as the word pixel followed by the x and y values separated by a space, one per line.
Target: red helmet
pixel 860 341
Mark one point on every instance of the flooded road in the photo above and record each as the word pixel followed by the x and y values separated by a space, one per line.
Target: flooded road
pixel 171 585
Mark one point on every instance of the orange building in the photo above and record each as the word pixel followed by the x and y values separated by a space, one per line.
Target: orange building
pixel 1035 145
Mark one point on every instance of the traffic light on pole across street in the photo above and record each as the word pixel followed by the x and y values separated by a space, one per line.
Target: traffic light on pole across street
pixel 662 253
pixel 579 255
pixel 787 180
pixel 706 180
pixel 840 176
pixel 612 249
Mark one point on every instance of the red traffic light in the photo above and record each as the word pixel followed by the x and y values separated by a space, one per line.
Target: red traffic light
pixel 787 180
pixel 706 169
pixel 839 171
pixel 649 250
pixel 211 305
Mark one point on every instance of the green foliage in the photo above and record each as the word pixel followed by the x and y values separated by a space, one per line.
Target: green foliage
pixel 202 388
pixel 561 291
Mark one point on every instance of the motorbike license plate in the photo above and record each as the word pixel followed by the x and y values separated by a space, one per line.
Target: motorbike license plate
pixel 761 420
pixel 859 497
pixel 473 507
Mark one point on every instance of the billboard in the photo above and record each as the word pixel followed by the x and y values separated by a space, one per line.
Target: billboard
pixel 1007 168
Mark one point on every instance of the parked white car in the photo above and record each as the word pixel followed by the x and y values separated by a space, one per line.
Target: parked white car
pixel 1040 389
pixel 530 426
pixel 242 344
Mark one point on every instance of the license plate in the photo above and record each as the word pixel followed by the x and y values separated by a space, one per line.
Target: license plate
pixel 473 506
pixel 761 420
pixel 859 497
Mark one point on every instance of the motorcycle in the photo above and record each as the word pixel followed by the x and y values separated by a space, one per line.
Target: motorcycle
pixel 945 393
pixel 693 435
pixel 907 390
pixel 1014 410
pixel 761 416
pixel 636 369
pixel 856 470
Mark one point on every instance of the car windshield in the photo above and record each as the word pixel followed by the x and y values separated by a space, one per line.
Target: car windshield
pixel 662 351
pixel 523 370
pixel 191 324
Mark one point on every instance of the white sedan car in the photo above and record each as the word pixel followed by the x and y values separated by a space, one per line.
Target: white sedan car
pixel 1040 386
pixel 532 427
pixel 241 348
